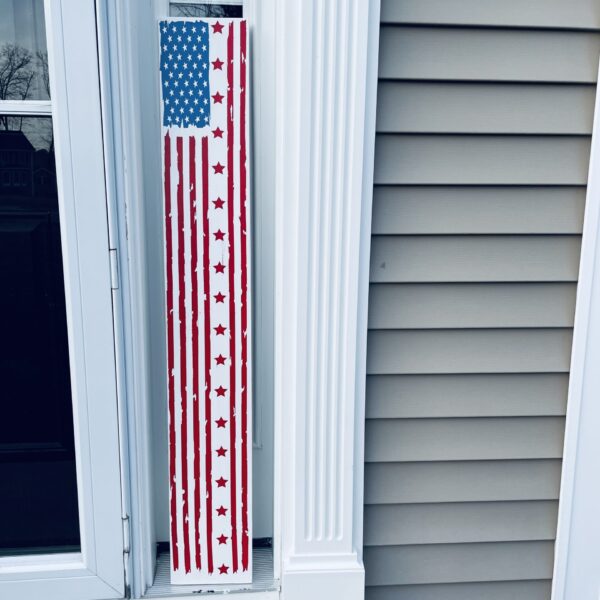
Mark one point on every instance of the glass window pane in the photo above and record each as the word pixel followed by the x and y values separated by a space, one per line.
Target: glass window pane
pixel 206 9
pixel 23 54
pixel 38 489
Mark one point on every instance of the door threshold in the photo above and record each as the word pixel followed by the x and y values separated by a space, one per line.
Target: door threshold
pixel 263 586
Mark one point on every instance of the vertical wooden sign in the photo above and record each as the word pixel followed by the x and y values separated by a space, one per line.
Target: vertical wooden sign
pixel 204 114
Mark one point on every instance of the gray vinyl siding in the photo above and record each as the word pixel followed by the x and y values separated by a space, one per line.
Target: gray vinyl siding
pixel 484 119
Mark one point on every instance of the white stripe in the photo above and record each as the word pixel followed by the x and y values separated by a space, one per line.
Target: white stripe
pixel 176 346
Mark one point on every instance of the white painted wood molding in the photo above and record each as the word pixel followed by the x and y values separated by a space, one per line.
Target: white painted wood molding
pixel 323 144
pixel 576 573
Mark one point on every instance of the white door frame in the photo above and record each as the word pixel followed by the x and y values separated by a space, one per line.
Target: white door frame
pixel 576 563
pixel 97 571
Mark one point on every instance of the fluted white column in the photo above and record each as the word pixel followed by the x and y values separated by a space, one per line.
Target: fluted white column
pixel 324 126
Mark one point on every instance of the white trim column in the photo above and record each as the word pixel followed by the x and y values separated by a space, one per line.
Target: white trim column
pixel 576 573
pixel 324 146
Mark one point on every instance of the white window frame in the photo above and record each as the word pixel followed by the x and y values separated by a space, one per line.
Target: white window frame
pixel 96 572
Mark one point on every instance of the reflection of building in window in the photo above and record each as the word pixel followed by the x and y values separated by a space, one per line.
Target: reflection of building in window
pixel 24 171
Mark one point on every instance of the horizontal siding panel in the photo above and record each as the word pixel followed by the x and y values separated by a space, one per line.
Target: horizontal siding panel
pixel 559 14
pixel 431 107
pixel 473 209
pixel 439 53
pixel 480 160
pixel 448 305
pixel 397 259
pixel 497 590
pixel 454 563
pixel 484 395
pixel 414 440
pixel 462 481
pixel 459 523
pixel 469 351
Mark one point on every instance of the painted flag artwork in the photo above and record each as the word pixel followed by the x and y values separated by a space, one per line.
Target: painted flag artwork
pixel 204 114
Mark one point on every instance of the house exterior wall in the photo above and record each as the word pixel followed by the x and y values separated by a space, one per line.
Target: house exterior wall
pixel 484 119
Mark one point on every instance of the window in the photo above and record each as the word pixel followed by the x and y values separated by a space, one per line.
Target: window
pixel 60 495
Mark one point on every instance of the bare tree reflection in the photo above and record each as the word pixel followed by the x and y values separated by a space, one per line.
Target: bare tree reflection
pixel 20 72
pixel 16 72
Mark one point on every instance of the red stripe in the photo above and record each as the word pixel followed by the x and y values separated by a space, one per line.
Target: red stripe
pixel 207 351
pixel 196 364
pixel 232 424
pixel 244 307
pixel 170 352
pixel 182 353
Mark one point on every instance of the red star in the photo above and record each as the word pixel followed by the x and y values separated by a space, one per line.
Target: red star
pixel 219 329
pixel 217 27
pixel 221 451
pixel 218 203
pixel 220 297
pixel 218 132
pixel 219 168
pixel 217 64
pixel 222 539
pixel 221 511
pixel 220 391
pixel 223 569
pixel 220 268
pixel 220 359
pixel 219 235
pixel 221 422
pixel 218 98
pixel 221 482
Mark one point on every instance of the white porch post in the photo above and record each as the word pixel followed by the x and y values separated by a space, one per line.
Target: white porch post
pixel 325 87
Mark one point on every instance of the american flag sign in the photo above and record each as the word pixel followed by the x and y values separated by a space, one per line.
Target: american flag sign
pixel 203 76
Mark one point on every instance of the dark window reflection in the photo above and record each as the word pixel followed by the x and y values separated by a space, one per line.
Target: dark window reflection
pixel 38 490
pixel 23 54
pixel 206 10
